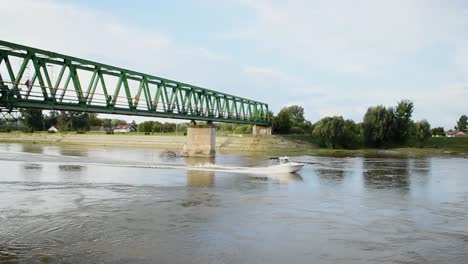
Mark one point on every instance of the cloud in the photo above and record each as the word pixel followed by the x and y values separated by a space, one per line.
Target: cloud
pixel 350 36
pixel 333 57
pixel 99 36
pixel 265 72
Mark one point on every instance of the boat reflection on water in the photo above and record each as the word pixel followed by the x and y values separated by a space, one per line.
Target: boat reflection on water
pixel 282 178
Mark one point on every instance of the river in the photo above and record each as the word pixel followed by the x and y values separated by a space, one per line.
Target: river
pixel 72 204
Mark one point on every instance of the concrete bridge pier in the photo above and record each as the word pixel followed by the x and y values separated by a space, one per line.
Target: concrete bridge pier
pixel 201 141
pixel 261 130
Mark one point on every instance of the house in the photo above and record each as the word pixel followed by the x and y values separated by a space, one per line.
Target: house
pixel 53 129
pixel 456 133
pixel 123 128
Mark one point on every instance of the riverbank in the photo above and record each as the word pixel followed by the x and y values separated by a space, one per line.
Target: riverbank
pixel 271 145
pixel 172 142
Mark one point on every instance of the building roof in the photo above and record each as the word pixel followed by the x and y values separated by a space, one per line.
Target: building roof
pixel 123 126
pixel 456 133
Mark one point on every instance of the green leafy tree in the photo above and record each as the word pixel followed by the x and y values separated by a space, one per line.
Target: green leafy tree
pixel 335 132
pixel 283 122
pixel 168 127
pixel 297 114
pixel 33 119
pixel 243 129
pixel 145 127
pixel 438 131
pixel 330 131
pixel 403 113
pixel 462 123
pixel 107 122
pixel 352 135
pixel 422 132
pixel 51 119
pixel 94 120
pixel 157 127
pixel 73 121
pixel 379 126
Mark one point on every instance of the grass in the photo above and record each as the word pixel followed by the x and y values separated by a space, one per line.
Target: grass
pixel 458 144
pixel 434 146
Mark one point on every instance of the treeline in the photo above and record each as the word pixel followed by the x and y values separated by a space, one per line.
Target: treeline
pixel 148 127
pixel 382 127
pixel 36 120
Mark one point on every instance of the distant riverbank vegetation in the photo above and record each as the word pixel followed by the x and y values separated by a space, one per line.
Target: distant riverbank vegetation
pixel 382 127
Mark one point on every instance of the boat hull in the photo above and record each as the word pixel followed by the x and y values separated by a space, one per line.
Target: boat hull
pixel 285 168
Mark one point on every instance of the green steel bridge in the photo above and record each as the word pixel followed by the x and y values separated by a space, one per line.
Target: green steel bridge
pixel 40 79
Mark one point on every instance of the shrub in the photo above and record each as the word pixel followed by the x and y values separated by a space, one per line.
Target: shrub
pixel 422 132
pixel 244 129
pixel 335 132
pixel 296 130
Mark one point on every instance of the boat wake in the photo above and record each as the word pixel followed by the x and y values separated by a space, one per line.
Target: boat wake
pixel 81 161
pixel 201 167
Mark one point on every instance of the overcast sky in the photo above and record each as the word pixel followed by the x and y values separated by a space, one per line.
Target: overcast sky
pixel 332 57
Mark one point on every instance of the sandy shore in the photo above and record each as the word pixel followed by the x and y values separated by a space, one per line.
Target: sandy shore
pixel 223 143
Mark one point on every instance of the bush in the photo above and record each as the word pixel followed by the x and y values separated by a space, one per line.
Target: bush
pixel 335 132
pixel 438 131
pixel 28 130
pixel 146 127
pixel 378 126
pixel 5 129
pixel 296 130
pixel 422 132
pixel 244 129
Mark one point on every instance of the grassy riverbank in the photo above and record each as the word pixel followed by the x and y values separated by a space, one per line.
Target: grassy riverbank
pixel 274 145
pixel 434 146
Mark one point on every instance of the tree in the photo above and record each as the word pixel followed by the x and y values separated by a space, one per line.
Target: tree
pixel 462 123
pixel 422 132
pixel 403 113
pixel 438 131
pixel 379 126
pixel 73 121
pixel 107 122
pixel 243 129
pixel 352 135
pixel 297 114
pixel 51 119
pixel 335 132
pixel 283 122
pixel 33 119
pixel 330 131
pixel 145 127
pixel 157 127
pixel 93 120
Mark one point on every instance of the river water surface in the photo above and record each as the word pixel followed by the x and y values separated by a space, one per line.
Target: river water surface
pixel 106 205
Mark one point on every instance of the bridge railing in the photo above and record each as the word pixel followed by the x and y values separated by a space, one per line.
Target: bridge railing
pixel 33 78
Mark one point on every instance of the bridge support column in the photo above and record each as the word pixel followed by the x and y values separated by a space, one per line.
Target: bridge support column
pixel 261 130
pixel 201 141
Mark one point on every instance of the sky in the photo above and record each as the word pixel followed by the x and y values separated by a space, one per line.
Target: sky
pixel 333 57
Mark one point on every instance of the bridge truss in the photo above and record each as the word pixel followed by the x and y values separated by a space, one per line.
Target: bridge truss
pixel 34 78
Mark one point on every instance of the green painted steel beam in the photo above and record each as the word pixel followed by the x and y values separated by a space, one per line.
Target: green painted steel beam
pixel 132 93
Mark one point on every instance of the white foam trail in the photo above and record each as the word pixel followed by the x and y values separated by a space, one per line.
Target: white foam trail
pixel 200 167
pixel 20 157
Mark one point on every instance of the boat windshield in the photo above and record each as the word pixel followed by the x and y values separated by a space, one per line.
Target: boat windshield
pixel 283 160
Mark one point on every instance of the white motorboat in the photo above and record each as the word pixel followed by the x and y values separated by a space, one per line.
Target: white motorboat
pixel 285 166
